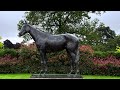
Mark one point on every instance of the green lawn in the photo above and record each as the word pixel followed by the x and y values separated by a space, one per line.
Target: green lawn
pixel 27 76
pixel 15 76
pixel 100 77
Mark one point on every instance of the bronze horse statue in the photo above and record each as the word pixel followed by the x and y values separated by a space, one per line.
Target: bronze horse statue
pixel 47 42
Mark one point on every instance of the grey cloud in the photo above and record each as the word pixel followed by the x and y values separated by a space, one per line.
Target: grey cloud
pixel 8 23
pixel 111 19
pixel 10 19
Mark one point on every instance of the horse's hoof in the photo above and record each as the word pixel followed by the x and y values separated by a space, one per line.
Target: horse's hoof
pixel 75 75
pixel 43 75
pixel 69 75
pixel 41 72
pixel 81 76
pixel 72 72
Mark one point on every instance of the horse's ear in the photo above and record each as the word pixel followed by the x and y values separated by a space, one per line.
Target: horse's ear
pixel 25 21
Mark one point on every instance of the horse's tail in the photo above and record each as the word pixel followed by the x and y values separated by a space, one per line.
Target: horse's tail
pixel 77 55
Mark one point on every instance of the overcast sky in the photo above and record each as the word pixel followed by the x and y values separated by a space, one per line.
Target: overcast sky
pixel 8 25
pixel 10 19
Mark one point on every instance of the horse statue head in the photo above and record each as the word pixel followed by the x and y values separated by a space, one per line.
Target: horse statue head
pixel 25 29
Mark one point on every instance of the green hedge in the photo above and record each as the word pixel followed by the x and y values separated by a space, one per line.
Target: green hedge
pixel 1 45
pixel 11 52
pixel 105 54
pixel 29 62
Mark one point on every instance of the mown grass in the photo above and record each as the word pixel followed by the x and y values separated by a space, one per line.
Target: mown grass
pixel 15 76
pixel 27 76
pixel 100 77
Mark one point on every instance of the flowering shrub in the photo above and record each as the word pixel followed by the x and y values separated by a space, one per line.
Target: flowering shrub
pixel 86 63
pixel 109 65
pixel 107 60
pixel 86 48
pixel 27 60
pixel 8 59
pixel 58 56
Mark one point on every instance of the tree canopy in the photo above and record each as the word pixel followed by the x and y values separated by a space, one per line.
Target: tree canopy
pixel 55 22
pixel 0 37
pixel 93 32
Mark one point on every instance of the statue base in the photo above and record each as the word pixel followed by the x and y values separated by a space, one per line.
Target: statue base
pixel 56 76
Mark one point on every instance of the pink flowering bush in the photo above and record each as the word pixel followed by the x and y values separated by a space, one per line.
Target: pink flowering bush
pixel 107 60
pixel 108 64
pixel 27 60
pixel 86 48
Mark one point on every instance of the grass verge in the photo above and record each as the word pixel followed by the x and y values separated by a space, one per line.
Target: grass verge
pixel 27 76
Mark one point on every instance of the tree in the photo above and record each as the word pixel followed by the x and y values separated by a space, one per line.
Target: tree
pixel 88 33
pixel 106 33
pixel 55 22
pixel 112 43
pixel 1 44
pixel 96 34
pixel 108 38
pixel 0 37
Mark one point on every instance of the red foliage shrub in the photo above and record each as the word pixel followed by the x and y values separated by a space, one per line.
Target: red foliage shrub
pixel 63 57
pixel 107 60
pixel 8 59
pixel 86 48
pixel 31 47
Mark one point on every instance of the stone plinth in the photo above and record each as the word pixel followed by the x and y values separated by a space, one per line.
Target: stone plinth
pixel 55 76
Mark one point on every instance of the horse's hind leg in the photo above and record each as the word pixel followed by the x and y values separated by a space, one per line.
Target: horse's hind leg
pixel 72 59
pixel 77 64
pixel 45 63
pixel 77 61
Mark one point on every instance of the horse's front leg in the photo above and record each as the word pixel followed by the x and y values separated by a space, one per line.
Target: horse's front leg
pixel 43 62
